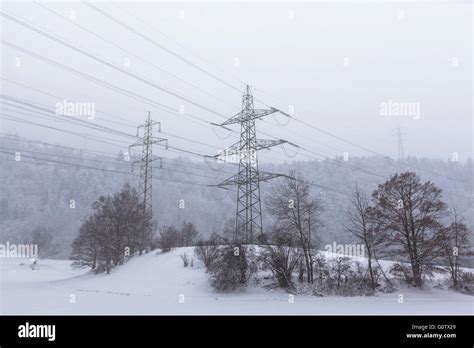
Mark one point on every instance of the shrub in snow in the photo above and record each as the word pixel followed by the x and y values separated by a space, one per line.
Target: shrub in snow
pixel 281 261
pixel 342 277
pixel 185 258
pixel 207 252
pixel 232 268
pixel 321 269
pixel 401 270
pixel 338 273
pixel 188 234
pixel 465 283
pixel 169 238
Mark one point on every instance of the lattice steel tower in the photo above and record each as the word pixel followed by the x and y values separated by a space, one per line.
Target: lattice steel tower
pixel 401 151
pixel 146 168
pixel 248 220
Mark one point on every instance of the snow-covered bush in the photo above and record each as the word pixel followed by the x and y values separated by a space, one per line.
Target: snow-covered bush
pixel 186 260
pixel 321 269
pixel 341 277
pixel 281 261
pixel 232 268
pixel 169 238
pixel 207 252
pixel 465 283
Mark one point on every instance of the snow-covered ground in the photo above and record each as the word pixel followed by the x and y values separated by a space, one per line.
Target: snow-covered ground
pixel 158 283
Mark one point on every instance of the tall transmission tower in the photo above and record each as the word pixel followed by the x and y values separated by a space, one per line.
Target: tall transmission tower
pixel 248 219
pixel 146 169
pixel 401 152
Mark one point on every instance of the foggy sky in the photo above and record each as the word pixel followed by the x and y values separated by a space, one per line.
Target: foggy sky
pixel 334 63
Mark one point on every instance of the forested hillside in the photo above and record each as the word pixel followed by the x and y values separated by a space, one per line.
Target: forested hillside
pixel 51 189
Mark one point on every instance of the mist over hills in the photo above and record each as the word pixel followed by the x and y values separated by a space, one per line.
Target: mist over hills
pixel 54 187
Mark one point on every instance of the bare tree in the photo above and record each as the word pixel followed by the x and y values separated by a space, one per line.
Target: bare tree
pixel 361 228
pixel 112 233
pixel 340 269
pixel 281 260
pixel 169 238
pixel 296 210
pixel 85 248
pixel 233 267
pixel 408 213
pixel 207 251
pixel 455 245
pixel 188 233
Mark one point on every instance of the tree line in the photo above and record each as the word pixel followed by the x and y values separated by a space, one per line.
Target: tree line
pixel 118 229
pixel 403 220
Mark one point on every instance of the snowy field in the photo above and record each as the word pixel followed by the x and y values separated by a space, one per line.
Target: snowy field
pixel 158 283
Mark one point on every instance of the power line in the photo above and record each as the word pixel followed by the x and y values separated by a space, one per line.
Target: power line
pixel 97 138
pixel 48 114
pixel 200 155
pixel 179 137
pixel 90 124
pixel 330 160
pixel 108 155
pixel 153 42
pixel 298 120
pixel 94 138
pixel 105 84
pixel 130 53
pixel 353 144
pixel 63 42
pixel 113 161
pixel 323 131
pixel 95 168
pixel 127 124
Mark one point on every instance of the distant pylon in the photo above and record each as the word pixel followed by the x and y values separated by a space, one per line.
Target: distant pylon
pixel 146 169
pixel 401 152
pixel 248 219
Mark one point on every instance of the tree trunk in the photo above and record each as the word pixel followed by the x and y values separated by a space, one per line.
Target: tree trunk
pixel 371 271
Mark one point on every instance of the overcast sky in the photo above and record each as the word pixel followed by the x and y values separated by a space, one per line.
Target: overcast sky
pixel 336 64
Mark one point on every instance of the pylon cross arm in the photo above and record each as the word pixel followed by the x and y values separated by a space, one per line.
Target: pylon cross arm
pixel 137 143
pixel 265 144
pixel 241 180
pixel 249 115
pixel 236 149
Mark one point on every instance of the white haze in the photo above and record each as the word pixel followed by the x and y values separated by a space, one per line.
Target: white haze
pixel 397 51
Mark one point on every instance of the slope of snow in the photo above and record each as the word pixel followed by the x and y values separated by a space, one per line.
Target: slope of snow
pixel 155 283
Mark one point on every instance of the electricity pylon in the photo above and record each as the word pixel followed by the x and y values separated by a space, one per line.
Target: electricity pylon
pixel 401 152
pixel 248 219
pixel 146 169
